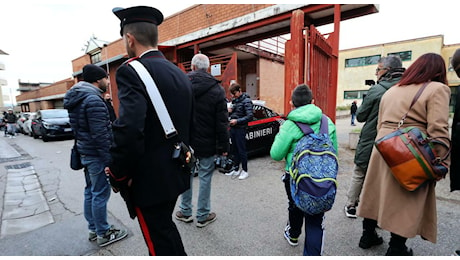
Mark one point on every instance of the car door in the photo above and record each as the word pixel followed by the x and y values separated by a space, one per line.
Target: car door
pixel 261 131
pixel 36 125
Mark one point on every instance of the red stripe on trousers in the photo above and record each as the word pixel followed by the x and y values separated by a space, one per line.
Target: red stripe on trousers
pixel 145 231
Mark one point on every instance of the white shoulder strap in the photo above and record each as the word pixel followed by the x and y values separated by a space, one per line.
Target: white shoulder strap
pixel 156 99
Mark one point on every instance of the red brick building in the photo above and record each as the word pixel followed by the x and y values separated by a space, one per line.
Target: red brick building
pixel 242 41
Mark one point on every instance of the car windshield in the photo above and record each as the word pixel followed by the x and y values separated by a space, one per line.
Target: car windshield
pixel 55 113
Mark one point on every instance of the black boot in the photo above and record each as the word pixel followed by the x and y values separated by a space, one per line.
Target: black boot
pixel 398 246
pixel 397 251
pixel 369 237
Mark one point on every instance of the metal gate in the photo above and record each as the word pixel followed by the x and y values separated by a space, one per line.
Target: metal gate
pixel 312 58
pixel 321 76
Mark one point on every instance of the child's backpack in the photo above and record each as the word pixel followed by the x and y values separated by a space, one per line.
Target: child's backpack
pixel 314 170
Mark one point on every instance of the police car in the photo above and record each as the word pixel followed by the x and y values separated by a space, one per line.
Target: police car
pixel 262 129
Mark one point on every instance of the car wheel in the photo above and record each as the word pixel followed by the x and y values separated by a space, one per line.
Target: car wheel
pixel 45 138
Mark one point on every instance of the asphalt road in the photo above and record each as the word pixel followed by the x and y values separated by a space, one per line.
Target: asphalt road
pixel 251 213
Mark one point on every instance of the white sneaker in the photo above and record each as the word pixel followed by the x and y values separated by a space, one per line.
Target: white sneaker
pixel 233 173
pixel 243 175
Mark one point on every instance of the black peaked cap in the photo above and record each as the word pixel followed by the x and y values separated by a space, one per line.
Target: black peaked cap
pixel 138 14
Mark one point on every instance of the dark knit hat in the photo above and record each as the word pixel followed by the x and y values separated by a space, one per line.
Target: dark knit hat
pixel 301 95
pixel 456 62
pixel 93 73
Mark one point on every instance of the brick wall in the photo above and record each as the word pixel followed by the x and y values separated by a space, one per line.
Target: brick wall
pixel 202 16
pixel 57 88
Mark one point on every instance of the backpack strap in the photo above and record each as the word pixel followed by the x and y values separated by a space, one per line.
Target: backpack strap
pixel 306 129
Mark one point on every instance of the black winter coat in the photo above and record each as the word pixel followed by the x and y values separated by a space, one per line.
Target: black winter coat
pixel 90 121
pixel 455 152
pixel 10 118
pixel 141 151
pixel 210 135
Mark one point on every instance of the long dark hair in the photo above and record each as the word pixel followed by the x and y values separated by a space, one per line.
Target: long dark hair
pixel 428 67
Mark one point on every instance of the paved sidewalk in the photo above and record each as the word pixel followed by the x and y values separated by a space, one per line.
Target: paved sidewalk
pixel 251 214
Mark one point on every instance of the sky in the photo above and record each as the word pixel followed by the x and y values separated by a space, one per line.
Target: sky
pixel 43 37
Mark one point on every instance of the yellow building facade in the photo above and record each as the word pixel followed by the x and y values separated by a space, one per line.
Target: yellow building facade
pixel 357 66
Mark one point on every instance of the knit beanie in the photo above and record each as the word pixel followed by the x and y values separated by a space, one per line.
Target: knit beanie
pixel 301 95
pixel 456 62
pixel 93 73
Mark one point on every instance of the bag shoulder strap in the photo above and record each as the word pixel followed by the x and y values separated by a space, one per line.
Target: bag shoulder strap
pixel 306 129
pixel 417 95
pixel 155 97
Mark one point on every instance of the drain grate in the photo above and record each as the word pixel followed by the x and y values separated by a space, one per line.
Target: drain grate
pixel 18 166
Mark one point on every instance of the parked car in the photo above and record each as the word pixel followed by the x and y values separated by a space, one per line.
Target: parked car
pixel 27 126
pixel 51 123
pixel 22 118
pixel 262 129
pixel 260 134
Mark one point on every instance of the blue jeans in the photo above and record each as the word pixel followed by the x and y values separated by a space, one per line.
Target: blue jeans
pixel 353 116
pixel 205 171
pixel 97 194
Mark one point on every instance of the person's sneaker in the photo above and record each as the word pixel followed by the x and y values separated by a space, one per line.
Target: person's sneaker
pixel 243 175
pixel 233 173
pixel 293 241
pixel 112 235
pixel 394 251
pixel 350 211
pixel 92 236
pixel 368 240
pixel 211 218
pixel 182 217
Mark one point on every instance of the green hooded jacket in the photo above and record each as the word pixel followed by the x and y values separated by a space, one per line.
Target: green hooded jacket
pixel 289 133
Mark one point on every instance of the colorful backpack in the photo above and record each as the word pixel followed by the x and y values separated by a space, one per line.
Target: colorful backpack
pixel 314 170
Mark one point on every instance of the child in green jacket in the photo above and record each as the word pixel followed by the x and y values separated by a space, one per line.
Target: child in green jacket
pixel 283 148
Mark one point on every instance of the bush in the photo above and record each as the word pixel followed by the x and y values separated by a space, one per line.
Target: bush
pixel 342 108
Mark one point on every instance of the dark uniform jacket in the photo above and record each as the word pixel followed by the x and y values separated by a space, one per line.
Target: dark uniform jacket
pixel 89 119
pixel 141 150
pixel 211 115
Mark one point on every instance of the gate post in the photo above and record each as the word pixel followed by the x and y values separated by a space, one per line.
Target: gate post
pixel 294 59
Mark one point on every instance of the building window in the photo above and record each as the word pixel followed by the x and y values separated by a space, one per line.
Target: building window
pixel 362 61
pixel 404 55
pixel 96 57
pixel 354 94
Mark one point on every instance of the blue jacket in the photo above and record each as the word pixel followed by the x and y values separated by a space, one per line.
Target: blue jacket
pixel 242 110
pixel 90 120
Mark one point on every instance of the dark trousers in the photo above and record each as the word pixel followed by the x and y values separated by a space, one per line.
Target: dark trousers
pixel 159 230
pixel 238 136
pixel 314 231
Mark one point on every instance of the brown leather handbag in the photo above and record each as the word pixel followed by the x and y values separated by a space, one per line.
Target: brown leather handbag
pixel 411 156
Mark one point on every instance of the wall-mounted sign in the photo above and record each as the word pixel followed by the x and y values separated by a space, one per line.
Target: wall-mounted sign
pixel 215 70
